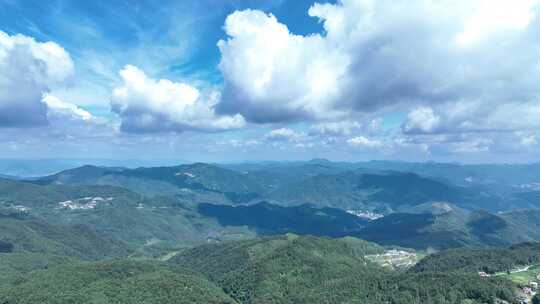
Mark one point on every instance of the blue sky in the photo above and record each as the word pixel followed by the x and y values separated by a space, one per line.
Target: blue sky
pixel 232 80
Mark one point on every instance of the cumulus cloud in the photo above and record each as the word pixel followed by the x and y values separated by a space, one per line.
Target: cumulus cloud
pixel 149 105
pixel 379 54
pixel 29 69
pixel 273 75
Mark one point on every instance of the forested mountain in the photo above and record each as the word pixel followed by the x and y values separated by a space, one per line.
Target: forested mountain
pixel 113 282
pixel 205 233
pixel 271 219
pixel 454 229
pixel 30 244
pixel 434 226
pixel 355 189
pixel 204 181
pixel 159 224
pixel 153 226
pixel 295 269
pixel 460 174
pixel 488 260
pixel 322 184
pixel 284 269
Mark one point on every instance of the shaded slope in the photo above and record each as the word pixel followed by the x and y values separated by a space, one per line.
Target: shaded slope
pixel 267 218
pixel 454 229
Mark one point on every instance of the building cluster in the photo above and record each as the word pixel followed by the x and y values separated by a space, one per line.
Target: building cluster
pixel 21 208
pixel 528 292
pixel 484 274
pixel 394 258
pixel 365 214
pixel 85 203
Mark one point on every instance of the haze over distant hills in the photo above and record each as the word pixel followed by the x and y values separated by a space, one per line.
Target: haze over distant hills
pixel 347 185
pixel 432 210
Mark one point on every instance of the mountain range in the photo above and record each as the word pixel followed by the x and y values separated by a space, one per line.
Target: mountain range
pixel 261 233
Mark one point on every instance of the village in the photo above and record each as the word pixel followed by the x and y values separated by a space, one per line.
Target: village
pixel 85 203
pixel 365 214
pixel 394 259
pixel 527 293
pixel 526 278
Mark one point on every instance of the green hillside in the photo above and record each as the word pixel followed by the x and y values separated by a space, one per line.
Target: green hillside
pixel 294 269
pixel 154 225
pixel 112 282
pixel 454 229
pixel 488 260
pixel 388 192
pixel 281 269
pixel 338 185
pixel 27 194
pixel 213 181
pixel 31 244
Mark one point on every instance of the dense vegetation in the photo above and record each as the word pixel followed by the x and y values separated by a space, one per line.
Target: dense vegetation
pixel 454 229
pixel 152 225
pixel 487 260
pixel 112 282
pixel 284 269
pixel 320 270
pixel 347 186
pixel 117 235
pixel 34 244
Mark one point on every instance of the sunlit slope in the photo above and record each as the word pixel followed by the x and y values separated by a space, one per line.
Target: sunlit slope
pixel 113 282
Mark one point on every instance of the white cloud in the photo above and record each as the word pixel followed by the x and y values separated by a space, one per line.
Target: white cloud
pixel 148 105
pixel 361 141
pixel 28 69
pixel 421 120
pixel 57 107
pixel 529 140
pixel 273 75
pixel 379 54
pixel 496 15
